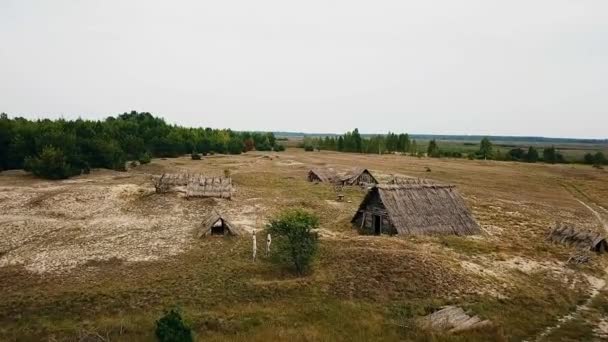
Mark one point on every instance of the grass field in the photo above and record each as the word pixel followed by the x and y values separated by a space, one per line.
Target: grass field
pixel 101 256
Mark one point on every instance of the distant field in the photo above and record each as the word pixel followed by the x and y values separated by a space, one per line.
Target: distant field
pixel 572 151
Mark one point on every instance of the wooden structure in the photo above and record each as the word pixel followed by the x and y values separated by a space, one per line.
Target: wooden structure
pixel 409 181
pixel 194 185
pixel 568 234
pixel 425 209
pixel 358 176
pixel 217 224
pixel 327 175
pixel 220 187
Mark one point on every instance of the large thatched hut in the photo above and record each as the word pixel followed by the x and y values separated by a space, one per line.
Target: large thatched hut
pixel 216 224
pixel 427 209
pixel 327 175
pixel 358 176
pixel 568 234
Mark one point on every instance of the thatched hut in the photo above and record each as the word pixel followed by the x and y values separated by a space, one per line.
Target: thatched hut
pixel 220 187
pixel 217 224
pixel 414 209
pixel 568 234
pixel 358 176
pixel 194 185
pixel 327 175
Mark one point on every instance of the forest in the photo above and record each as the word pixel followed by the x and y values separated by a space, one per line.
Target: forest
pixel 58 149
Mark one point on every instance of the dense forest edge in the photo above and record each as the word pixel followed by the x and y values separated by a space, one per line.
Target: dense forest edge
pixel 58 149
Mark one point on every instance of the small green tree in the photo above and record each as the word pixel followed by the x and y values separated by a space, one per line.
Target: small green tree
pixel 532 155
pixel 486 149
pixel 172 328
pixel 599 159
pixel 433 149
pixel 295 241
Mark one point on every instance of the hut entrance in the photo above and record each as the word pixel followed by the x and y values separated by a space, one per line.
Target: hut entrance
pixel 377 222
pixel 218 228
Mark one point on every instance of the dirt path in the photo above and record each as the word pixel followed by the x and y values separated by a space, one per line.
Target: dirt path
pixel 596 288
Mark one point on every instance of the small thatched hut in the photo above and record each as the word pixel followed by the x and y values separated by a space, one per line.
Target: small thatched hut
pixel 220 187
pixel 567 234
pixel 194 185
pixel 414 209
pixel 322 175
pixel 358 176
pixel 216 224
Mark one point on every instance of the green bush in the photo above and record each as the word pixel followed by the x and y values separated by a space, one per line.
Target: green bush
pixel 295 241
pixel 51 164
pixel 171 328
pixel 195 156
pixel 309 148
pixel 279 148
pixel 144 158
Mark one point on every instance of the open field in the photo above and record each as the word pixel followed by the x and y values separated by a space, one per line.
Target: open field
pixel 100 256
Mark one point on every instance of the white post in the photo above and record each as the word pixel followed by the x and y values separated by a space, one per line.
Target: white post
pixel 255 246
pixel 268 242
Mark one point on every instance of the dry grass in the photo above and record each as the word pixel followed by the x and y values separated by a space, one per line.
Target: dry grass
pixel 101 254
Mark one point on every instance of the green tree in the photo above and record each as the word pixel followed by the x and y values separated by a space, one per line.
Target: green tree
pixel 532 155
pixel 433 149
pixel 172 328
pixel 599 159
pixel 486 149
pixel 295 240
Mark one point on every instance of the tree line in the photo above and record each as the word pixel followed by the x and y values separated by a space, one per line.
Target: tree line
pixel 61 148
pixel 402 143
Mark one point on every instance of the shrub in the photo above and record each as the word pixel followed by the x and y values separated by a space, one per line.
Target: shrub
pixel 51 164
pixel 279 148
pixel 144 158
pixel 171 328
pixel 195 156
pixel 309 148
pixel 295 241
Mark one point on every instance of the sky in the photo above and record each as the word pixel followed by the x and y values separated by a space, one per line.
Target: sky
pixel 488 67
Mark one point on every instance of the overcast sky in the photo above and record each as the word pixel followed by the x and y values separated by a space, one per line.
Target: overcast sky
pixel 529 67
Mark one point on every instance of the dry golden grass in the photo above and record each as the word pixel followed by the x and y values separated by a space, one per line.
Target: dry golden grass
pixel 103 254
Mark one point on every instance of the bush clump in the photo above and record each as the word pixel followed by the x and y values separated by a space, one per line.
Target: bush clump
pixel 195 156
pixel 144 158
pixel 172 328
pixel 51 164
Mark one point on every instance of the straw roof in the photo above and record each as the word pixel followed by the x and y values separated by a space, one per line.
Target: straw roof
pixel 423 209
pixel 568 234
pixel 410 181
pixel 324 175
pixel 351 176
pixel 209 187
pixel 211 219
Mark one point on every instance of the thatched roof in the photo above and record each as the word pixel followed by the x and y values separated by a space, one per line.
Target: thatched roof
pixel 209 187
pixel 424 209
pixel 324 175
pixel 568 234
pixel 351 176
pixel 211 219
pixel 410 181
